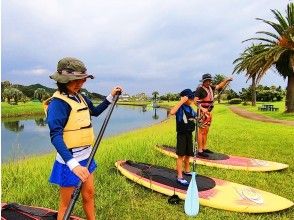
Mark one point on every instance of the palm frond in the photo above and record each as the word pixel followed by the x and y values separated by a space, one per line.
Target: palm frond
pixel 282 21
pixel 277 50
pixel 269 34
pixel 260 39
pixel 290 14
pixel 278 28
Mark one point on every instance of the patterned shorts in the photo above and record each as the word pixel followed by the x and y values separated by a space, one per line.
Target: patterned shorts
pixel 205 119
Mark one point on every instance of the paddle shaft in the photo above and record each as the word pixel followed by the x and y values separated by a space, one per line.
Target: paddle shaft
pixel 76 192
pixel 218 95
pixel 196 136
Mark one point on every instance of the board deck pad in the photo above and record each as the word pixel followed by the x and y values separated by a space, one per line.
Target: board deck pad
pixel 213 192
pixel 15 211
pixel 167 176
pixel 228 161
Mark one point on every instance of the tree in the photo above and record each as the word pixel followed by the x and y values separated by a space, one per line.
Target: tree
pixel 17 95
pixel 263 93
pixel 169 96
pixel 12 93
pixel 155 94
pixel 278 51
pixel 218 78
pixel 7 94
pixel 244 64
pixel 231 94
pixel 140 97
pixel 5 85
pixel 39 94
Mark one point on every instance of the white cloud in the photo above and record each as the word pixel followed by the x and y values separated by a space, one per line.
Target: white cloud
pixel 130 41
pixel 31 72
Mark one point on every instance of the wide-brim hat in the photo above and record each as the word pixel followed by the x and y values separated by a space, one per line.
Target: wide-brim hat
pixel 205 77
pixel 69 69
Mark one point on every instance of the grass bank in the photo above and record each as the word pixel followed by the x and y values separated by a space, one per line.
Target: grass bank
pixel 133 103
pixel 36 108
pixel 21 109
pixel 118 198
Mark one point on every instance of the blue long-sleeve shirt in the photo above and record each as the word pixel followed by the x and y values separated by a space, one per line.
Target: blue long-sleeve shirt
pixel 57 115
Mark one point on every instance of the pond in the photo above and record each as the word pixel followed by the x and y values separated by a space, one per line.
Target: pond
pixel 21 138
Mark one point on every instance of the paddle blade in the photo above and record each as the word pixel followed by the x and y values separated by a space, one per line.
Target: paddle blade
pixel 192 198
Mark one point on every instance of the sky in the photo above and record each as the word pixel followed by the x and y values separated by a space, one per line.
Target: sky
pixel 144 46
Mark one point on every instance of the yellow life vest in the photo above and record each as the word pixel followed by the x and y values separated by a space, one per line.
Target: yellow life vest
pixel 78 130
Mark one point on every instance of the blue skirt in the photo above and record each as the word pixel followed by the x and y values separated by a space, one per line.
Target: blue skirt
pixel 64 177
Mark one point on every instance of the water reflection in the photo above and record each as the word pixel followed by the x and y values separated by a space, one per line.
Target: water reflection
pixel 155 116
pixel 24 137
pixel 41 122
pixel 14 126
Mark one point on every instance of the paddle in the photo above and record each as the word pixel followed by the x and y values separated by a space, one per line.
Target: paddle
pixel 215 97
pixel 223 89
pixel 76 192
pixel 192 197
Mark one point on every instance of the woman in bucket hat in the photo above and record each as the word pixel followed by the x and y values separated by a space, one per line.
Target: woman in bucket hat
pixel 71 132
pixel 204 98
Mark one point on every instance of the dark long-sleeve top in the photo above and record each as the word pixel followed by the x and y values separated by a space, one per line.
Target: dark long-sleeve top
pixel 57 115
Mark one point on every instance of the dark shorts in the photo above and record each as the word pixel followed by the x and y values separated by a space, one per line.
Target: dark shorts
pixel 184 144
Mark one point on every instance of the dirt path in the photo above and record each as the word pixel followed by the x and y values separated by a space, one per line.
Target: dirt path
pixel 258 117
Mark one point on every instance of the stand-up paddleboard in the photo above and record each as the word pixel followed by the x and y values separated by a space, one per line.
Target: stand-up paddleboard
pixel 213 192
pixel 15 211
pixel 229 161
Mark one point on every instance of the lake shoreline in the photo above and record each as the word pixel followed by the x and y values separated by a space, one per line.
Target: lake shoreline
pixel 17 111
pixel 19 147
pixel 31 156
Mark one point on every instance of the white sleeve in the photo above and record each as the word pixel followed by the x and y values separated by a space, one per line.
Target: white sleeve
pixel 109 98
pixel 72 163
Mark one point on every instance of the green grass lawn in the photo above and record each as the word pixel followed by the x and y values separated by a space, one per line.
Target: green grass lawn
pixel 116 197
pixel 277 114
pixel 21 109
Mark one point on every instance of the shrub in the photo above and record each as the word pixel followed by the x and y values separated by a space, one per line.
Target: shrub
pixel 235 101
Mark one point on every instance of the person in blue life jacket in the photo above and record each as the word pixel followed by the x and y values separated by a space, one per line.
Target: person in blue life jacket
pixel 69 120
pixel 204 100
pixel 185 125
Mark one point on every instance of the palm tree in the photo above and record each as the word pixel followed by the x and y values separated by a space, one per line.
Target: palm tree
pixel 278 51
pixel 244 64
pixel 155 94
